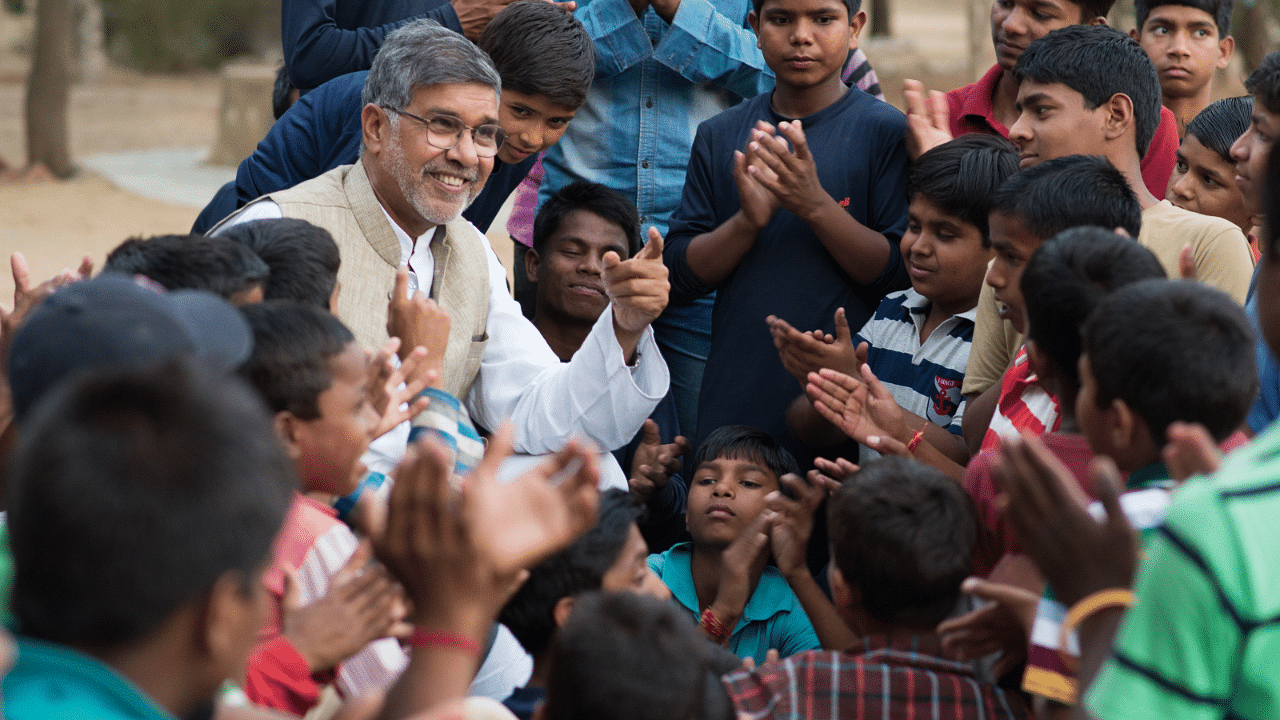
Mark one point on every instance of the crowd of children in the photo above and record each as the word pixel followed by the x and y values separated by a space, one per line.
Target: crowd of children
pixel 984 429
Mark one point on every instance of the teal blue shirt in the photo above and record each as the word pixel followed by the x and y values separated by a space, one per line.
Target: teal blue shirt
pixel 772 619
pixel 52 682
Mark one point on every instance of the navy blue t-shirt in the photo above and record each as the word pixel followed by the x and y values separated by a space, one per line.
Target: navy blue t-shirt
pixel 862 163
pixel 321 132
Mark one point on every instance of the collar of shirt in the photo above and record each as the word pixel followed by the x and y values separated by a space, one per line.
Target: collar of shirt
pixel 920 651
pixel 917 308
pixel 977 107
pixel 416 253
pixel 772 594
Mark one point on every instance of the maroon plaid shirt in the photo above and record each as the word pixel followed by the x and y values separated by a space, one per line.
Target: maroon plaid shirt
pixel 902 677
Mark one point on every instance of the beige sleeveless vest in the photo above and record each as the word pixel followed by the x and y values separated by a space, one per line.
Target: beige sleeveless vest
pixel 342 202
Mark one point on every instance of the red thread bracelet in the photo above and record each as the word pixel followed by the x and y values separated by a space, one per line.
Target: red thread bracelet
pixel 429 638
pixel 716 629
pixel 915 441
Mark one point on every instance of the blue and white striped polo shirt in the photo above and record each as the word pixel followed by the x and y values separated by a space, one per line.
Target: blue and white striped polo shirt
pixel 924 379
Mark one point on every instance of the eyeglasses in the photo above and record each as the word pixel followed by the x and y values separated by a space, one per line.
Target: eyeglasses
pixel 444 132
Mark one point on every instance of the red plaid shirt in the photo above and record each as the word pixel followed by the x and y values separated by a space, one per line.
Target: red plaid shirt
pixel 903 677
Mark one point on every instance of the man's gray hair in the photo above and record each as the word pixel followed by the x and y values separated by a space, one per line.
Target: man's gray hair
pixel 423 53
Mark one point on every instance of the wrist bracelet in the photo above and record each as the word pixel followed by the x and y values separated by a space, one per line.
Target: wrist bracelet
pixel 714 627
pixel 429 638
pixel 915 441
pixel 1090 604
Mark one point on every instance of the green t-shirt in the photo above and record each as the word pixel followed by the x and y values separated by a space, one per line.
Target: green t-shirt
pixel 1203 641
pixel 51 682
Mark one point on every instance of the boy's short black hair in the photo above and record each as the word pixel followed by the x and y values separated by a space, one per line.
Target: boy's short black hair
pixel 1067 192
pixel 130 494
pixel 1219 125
pixel 293 350
pixel 853 6
pixel 579 568
pixel 1098 62
pixel 303 258
pixel 1219 10
pixel 626 656
pixel 1264 82
pixel 190 262
pixel 539 48
pixel 1067 277
pixel 960 176
pixel 609 204
pixel 1173 350
pixel 743 442
pixel 903 534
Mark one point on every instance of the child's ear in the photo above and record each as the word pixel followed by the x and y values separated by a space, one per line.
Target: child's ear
pixel 1119 116
pixel 560 611
pixel 1137 36
pixel 754 21
pixel 531 261
pixel 288 426
pixel 856 23
pixel 231 620
pixel 1124 426
pixel 841 593
pixel 1226 46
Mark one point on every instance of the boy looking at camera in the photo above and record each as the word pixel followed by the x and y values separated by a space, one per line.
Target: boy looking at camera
pixel 1187 40
pixel 720 577
pixel 807 220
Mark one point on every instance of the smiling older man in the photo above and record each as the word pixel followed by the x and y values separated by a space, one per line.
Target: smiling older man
pixel 430 132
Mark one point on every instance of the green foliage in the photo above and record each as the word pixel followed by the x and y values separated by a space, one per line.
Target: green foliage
pixel 177 35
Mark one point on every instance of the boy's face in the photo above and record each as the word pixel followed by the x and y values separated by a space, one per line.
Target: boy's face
pixel 1016 23
pixel 1013 245
pixel 1251 151
pixel 330 446
pixel 805 42
pixel 631 570
pixel 532 124
pixel 1203 182
pixel 1053 122
pixel 725 496
pixel 570 273
pixel 1183 44
pixel 944 256
pixel 1095 422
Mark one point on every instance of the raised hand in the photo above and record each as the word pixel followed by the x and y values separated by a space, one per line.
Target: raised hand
pixel 833 471
pixel 740 564
pixel 791 175
pixel 928 118
pixel 361 605
pixel 793 522
pixel 865 411
pixel 654 462
pixel 638 290
pixel 1002 624
pixel 808 352
pixel 390 387
pixel 1190 451
pixel 759 204
pixel 1077 554
pixel 519 523
pixel 419 322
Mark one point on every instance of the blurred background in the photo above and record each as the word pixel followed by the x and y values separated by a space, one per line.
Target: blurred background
pixel 123 117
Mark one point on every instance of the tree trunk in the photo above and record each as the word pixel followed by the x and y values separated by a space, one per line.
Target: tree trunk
pixel 881 19
pixel 1254 41
pixel 49 87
